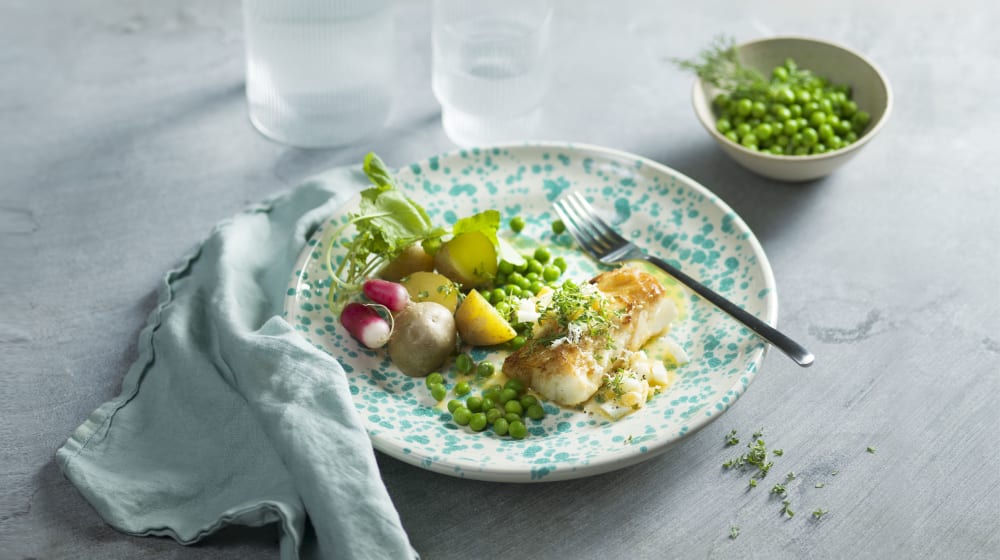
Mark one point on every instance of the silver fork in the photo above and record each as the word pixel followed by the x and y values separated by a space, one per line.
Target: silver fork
pixel 604 244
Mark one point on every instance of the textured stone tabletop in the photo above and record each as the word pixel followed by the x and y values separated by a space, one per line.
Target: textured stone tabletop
pixel 126 139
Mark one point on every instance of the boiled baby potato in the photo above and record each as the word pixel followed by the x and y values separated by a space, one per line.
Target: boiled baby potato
pixel 412 259
pixel 469 259
pixel 480 324
pixel 431 286
pixel 423 337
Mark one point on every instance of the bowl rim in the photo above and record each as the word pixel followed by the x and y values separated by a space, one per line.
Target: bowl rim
pixel 699 87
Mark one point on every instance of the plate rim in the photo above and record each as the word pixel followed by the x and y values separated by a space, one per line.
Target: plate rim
pixel 601 464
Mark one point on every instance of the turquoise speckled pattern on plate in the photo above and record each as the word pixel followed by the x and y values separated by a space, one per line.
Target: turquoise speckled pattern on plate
pixel 663 211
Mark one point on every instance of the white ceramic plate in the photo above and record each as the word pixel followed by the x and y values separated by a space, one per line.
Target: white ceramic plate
pixel 662 210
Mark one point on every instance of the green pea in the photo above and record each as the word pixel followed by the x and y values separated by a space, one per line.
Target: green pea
pixel 485 369
pixel 498 295
pixel 513 406
pixel 464 363
pixel 478 422
pixel 810 136
pixel 782 113
pixel 505 267
pixel 462 416
pixel 558 227
pixel 500 426
pixel 434 378
pixel 860 120
pixel 560 263
pixel 517 342
pixel 791 126
pixel 453 405
pixel 517 430
pixel 535 412
pixel 784 95
pixel 474 404
pixel 536 287
pixel 506 395
pixel 835 142
pixel 517 224
pixel 758 109
pixel 536 266
pixel 439 392
pixel 795 109
pixel 542 255
pixel 743 107
pixel 817 118
pixel 493 414
pixel 462 388
pixel 776 149
pixel 723 125
pixel 551 274
pixel 732 136
pixel 512 417
pixel 528 400
pixel 749 141
pixel 848 108
pixel 780 73
pixel 825 131
pixel 503 308
pixel 533 276
pixel 819 149
pixel 486 403
pixel 516 385
pixel 763 131
pixel 493 392
pixel 802 96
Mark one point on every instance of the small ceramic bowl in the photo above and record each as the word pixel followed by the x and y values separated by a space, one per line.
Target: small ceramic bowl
pixel 838 64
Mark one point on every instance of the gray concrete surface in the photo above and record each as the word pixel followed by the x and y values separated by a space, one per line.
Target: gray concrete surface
pixel 125 139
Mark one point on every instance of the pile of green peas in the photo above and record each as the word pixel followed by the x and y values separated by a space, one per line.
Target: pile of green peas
pixel 515 282
pixel 504 407
pixel 798 114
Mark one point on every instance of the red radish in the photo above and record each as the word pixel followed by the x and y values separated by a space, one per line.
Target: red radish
pixel 365 324
pixel 390 294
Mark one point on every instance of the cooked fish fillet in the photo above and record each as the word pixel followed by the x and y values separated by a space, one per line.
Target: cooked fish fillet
pixel 568 367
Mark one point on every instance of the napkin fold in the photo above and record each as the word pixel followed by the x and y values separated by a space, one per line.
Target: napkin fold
pixel 228 416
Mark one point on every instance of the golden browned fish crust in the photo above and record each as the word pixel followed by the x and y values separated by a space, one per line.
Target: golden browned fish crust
pixel 570 372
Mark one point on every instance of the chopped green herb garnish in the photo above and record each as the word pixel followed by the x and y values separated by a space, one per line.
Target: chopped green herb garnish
pixel 871 450
pixel 731 438
pixel 753 483
pixel 820 513
pixel 790 475
pixel 834 473
pixel 819 485
pixel 785 509
pixel 778 452
pixel 758 433
pixel 779 489
pixel 734 532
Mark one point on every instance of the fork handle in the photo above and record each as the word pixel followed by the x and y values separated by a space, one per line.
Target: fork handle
pixel 792 349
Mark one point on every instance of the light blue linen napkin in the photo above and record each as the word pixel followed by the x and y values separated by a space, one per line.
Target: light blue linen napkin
pixel 228 416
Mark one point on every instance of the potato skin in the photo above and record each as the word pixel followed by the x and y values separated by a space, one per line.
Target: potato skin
pixel 412 259
pixel 423 337
pixel 469 259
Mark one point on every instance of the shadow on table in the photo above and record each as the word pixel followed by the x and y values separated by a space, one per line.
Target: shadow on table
pixel 766 205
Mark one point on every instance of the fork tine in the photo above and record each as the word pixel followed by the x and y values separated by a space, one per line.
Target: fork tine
pixel 596 227
pixel 571 220
pixel 606 233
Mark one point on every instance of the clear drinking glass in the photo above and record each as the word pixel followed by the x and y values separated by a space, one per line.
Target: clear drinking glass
pixel 319 72
pixel 490 67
